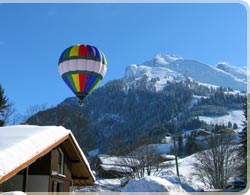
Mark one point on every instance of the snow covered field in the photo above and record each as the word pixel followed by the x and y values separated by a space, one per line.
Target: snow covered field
pixel 166 181
pixel 234 116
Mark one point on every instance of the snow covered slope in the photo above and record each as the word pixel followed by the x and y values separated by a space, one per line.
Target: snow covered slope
pixel 238 73
pixel 170 68
pixel 234 116
pixel 159 76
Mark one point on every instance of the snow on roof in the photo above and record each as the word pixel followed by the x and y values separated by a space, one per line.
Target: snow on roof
pixel 167 157
pixel 121 161
pixel 22 143
pixel 227 131
pixel 203 132
pixel 116 168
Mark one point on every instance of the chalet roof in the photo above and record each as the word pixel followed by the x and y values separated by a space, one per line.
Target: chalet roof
pixel 120 161
pixel 167 157
pixel 116 168
pixel 22 145
pixel 203 132
pixel 227 131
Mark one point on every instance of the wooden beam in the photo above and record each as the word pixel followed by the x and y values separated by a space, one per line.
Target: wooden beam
pixel 80 178
pixel 74 143
pixel 25 179
pixel 75 161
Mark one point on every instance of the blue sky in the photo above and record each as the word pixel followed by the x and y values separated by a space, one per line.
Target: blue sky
pixel 33 35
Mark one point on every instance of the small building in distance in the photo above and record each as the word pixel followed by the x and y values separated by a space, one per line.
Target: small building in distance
pixel 227 131
pixel 115 167
pixel 203 132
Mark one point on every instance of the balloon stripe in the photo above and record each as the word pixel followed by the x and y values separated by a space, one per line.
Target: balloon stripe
pixel 82 81
pixel 97 54
pixel 90 51
pixel 71 82
pixel 66 54
pixel 104 60
pixel 66 80
pixel 82 65
pixel 84 72
pixel 74 51
pixel 62 56
pixel 91 82
pixel 83 50
pixel 76 82
pixel 78 57
pixel 87 81
pixel 95 85
pixel 103 70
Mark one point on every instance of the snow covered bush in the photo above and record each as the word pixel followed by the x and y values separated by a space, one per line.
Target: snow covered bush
pixel 215 165
pixel 152 184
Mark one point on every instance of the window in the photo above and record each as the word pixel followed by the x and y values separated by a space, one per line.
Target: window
pixel 60 165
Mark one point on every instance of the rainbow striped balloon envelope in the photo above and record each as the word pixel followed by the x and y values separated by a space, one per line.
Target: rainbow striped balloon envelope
pixel 82 68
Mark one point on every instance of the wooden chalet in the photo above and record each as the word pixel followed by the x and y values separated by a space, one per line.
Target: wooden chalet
pixel 203 132
pixel 115 167
pixel 227 131
pixel 41 159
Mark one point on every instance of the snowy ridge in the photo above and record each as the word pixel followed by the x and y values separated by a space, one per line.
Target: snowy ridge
pixel 157 75
pixel 236 72
pixel 163 59
pixel 164 68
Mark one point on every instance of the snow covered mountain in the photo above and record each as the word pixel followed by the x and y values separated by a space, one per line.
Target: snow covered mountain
pixel 238 73
pixel 158 76
pixel 164 68
pixel 164 95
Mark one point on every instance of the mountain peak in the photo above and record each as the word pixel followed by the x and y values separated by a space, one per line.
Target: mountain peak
pixel 166 58
pixel 162 59
pixel 225 66
pixel 238 73
pixel 164 68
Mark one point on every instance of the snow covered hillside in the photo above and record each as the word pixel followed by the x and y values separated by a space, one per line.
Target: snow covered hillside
pixel 165 68
pixel 167 94
pixel 234 116
pixel 159 75
pixel 166 181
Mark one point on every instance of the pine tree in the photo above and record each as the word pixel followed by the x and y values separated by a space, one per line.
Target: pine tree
pixel 191 145
pixel 3 106
pixel 243 146
pixel 180 144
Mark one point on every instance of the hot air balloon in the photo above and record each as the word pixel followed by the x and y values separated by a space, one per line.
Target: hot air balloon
pixel 82 68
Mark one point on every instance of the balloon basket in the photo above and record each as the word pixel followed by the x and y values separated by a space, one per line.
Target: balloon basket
pixel 80 103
